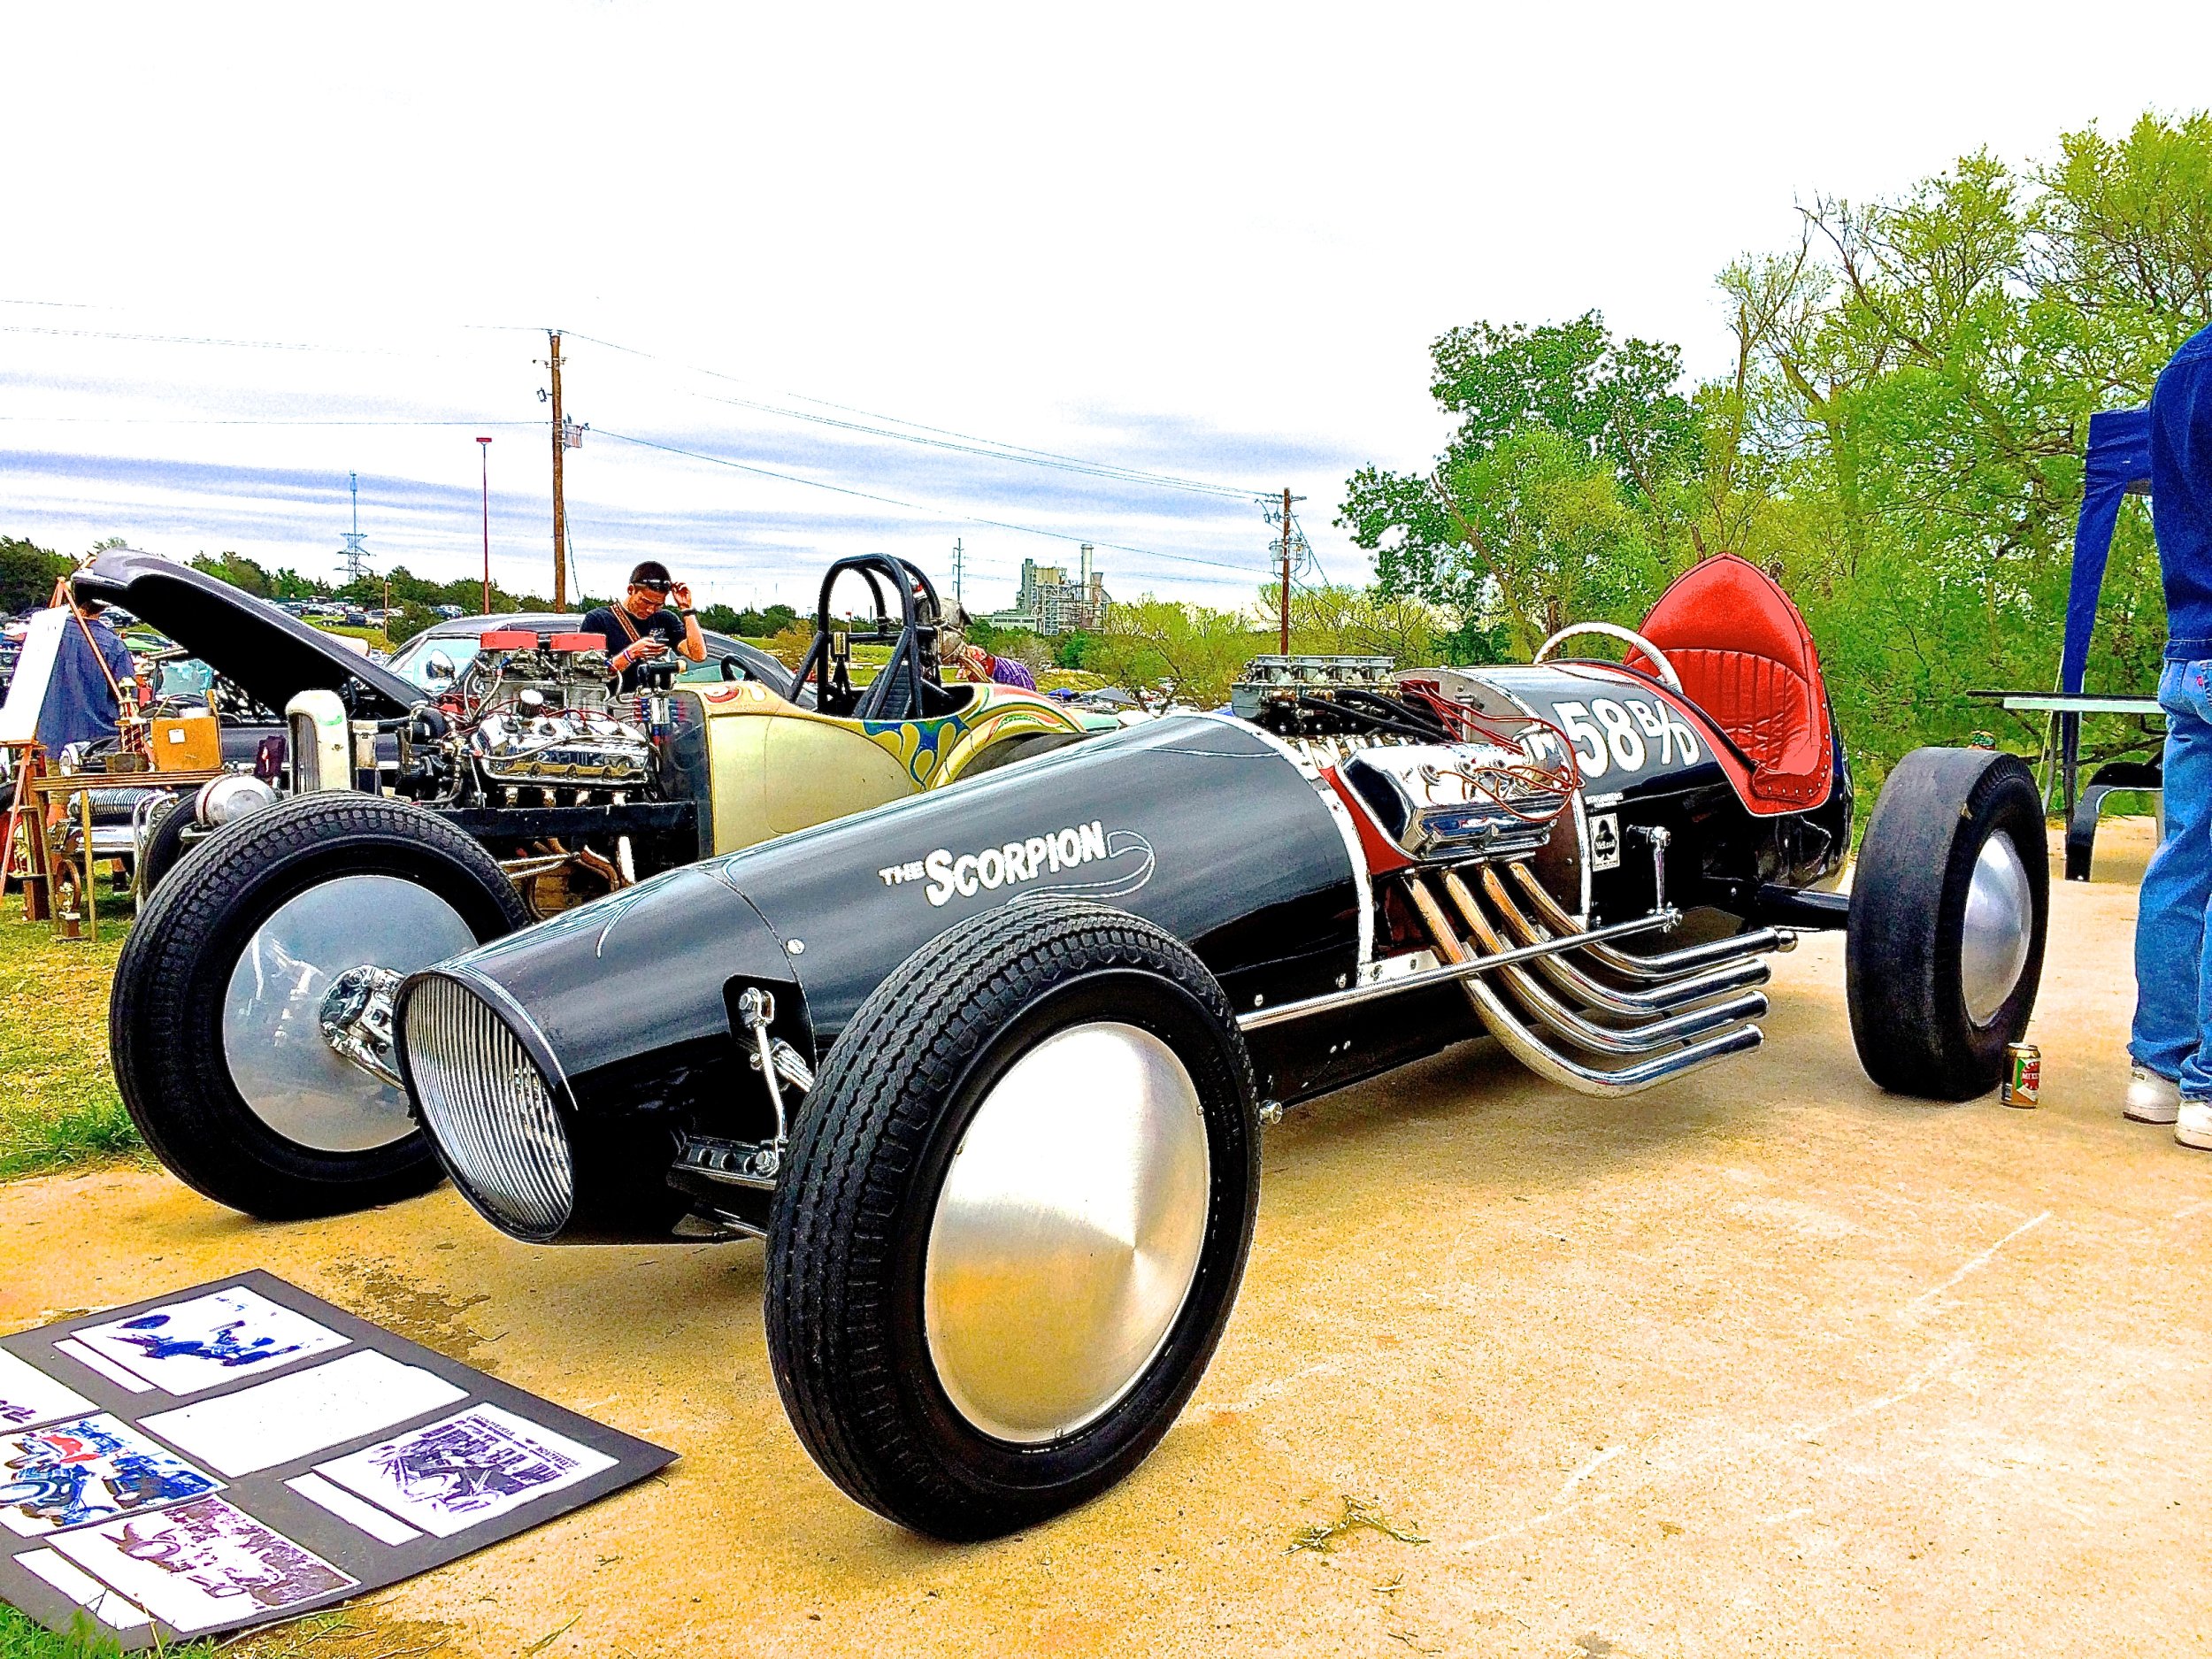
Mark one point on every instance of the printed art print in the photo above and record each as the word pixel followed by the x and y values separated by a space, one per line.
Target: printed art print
pixel 88 1469
pixel 29 1395
pixel 196 1344
pixel 204 1565
pixel 471 1468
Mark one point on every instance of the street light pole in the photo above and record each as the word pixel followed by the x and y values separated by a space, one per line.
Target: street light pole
pixel 485 450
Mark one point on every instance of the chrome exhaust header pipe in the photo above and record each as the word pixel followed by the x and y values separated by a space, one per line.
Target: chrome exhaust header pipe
pixel 1543 1060
pixel 1664 998
pixel 1563 1022
pixel 1674 964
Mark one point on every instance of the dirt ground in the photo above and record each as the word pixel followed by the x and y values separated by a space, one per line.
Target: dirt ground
pixel 1763 1362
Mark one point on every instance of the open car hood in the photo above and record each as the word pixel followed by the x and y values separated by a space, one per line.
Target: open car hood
pixel 268 655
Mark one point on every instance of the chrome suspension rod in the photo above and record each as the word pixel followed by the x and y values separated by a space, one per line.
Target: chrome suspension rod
pixel 1563 1022
pixel 1671 966
pixel 1664 998
pixel 1462 968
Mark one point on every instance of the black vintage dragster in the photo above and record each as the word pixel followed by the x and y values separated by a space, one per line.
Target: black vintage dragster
pixel 986 1067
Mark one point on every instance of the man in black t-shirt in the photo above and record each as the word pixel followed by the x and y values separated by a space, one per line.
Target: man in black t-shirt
pixel 654 618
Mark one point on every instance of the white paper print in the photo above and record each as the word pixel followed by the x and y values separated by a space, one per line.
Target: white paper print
pixel 304 1411
pixel 107 1368
pixel 29 1395
pixel 203 1565
pixel 467 1469
pixel 88 1469
pixel 358 1512
pixel 189 1346
pixel 82 1588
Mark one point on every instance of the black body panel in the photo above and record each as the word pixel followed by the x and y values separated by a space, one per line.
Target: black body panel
pixel 1208 828
pixel 1201 825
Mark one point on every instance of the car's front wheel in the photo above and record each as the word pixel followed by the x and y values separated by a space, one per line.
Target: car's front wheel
pixel 1015 1215
pixel 226 996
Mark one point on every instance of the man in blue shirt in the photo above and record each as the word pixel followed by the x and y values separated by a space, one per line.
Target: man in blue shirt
pixel 2173 1045
pixel 80 703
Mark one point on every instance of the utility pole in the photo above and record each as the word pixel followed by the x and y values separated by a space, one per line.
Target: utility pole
pixel 1285 644
pixel 959 560
pixel 560 510
pixel 484 449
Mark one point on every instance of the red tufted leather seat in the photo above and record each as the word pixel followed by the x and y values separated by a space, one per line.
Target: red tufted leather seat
pixel 1746 659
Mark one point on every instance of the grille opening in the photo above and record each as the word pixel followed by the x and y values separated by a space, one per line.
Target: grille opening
pixel 489 1108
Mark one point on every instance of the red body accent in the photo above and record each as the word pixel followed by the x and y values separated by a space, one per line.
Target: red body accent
pixel 1383 854
pixel 510 640
pixel 578 642
pixel 1748 662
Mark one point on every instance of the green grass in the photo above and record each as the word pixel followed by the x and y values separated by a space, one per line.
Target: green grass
pixel 57 1100
pixel 21 1639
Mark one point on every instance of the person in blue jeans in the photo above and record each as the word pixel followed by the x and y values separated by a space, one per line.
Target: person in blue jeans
pixel 2171 1082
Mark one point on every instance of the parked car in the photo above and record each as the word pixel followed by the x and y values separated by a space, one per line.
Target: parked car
pixel 987 1066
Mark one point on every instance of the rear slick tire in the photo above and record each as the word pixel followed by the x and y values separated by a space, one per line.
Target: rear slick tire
pixel 1015 1215
pixel 1949 904
pixel 211 1020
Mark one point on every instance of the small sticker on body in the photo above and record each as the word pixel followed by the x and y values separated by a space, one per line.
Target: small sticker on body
pixel 1605 841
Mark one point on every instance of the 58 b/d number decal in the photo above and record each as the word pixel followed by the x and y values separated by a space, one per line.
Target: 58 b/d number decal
pixel 1623 733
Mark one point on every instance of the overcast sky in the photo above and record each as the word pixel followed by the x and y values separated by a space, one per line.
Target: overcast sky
pixel 244 252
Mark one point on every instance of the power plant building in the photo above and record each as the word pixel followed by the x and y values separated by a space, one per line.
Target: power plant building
pixel 1049 603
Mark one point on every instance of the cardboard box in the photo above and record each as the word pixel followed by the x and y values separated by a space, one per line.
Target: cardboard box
pixel 192 744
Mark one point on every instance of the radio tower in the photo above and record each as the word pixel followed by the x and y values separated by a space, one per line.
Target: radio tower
pixel 355 556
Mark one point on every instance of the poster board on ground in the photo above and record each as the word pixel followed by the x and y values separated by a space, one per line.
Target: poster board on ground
pixel 240 1452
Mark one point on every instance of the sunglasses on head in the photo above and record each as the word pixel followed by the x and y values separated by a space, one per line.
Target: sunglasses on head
pixel 654 586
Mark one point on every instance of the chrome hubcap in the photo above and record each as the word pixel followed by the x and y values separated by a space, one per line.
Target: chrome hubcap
pixel 1999 922
pixel 272 1028
pixel 1067 1233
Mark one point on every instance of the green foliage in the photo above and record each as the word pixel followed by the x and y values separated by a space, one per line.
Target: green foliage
pixel 407 621
pixel 1555 498
pixel 28 574
pixel 239 571
pixel 747 624
pixel 1899 443
pixel 1149 643
pixel 1073 648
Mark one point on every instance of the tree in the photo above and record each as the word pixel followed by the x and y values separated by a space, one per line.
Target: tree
pixel 28 574
pixel 1571 451
pixel 237 571
pixel 1193 651
pixel 1898 440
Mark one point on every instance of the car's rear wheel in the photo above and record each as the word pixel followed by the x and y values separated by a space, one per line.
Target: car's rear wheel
pixel 1015 1215
pixel 1948 907
pixel 217 1020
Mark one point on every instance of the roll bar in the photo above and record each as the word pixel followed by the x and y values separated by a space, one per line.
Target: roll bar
pixel 913 654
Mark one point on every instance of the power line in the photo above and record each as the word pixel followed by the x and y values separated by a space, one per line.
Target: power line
pixel 199 340
pixel 257 420
pixel 909 506
pixel 968 443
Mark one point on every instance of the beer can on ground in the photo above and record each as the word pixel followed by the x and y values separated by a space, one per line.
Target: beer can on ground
pixel 2023 1075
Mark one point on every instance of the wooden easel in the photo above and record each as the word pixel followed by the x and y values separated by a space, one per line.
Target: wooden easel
pixel 26 808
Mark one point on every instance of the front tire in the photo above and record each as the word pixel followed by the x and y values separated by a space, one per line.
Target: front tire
pixel 213 1021
pixel 1948 907
pixel 1015 1215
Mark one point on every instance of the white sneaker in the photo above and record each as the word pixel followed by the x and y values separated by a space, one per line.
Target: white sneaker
pixel 2152 1099
pixel 2195 1127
